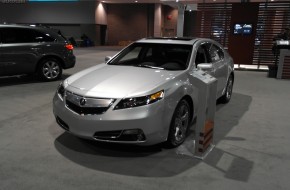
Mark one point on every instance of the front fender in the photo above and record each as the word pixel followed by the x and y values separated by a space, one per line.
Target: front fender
pixel 175 91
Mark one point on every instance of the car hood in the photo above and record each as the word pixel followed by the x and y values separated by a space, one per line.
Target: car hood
pixel 111 81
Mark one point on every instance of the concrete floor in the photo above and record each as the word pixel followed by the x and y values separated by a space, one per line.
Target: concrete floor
pixel 251 136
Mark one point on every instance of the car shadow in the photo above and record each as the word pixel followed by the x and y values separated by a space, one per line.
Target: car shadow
pixel 132 160
pixel 24 79
pixel 17 80
pixel 154 161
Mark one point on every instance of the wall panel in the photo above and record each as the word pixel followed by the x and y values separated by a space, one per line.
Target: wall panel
pixel 241 46
pixel 272 17
pixel 129 22
pixel 214 20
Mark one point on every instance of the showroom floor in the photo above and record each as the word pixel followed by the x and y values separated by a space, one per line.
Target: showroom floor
pixel 251 136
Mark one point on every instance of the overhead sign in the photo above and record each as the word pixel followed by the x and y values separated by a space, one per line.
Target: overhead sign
pixel 13 1
pixel 28 1
pixel 52 0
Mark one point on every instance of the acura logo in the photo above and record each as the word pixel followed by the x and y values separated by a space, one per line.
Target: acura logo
pixel 83 101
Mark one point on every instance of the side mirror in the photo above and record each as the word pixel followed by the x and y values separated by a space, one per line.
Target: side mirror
pixel 107 58
pixel 204 66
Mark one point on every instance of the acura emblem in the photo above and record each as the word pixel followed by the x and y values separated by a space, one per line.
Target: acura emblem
pixel 83 101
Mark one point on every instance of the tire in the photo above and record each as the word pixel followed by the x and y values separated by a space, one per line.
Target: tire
pixel 229 90
pixel 49 69
pixel 179 124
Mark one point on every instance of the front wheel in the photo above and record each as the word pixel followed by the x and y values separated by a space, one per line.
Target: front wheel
pixel 179 124
pixel 229 90
pixel 50 69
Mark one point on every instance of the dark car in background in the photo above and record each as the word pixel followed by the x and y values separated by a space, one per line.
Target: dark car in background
pixel 34 50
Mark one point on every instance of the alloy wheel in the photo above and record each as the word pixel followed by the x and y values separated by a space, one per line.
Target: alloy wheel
pixel 181 123
pixel 51 69
pixel 229 89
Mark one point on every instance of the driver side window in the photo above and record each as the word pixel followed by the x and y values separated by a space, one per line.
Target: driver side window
pixel 201 55
pixel 216 54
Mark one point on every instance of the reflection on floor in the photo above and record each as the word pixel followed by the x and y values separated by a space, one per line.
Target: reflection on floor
pixel 251 67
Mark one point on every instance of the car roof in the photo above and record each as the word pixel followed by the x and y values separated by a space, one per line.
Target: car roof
pixel 32 26
pixel 19 25
pixel 170 40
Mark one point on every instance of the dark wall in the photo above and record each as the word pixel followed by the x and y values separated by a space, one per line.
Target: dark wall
pixel 72 18
pixel 81 12
pixel 192 23
pixel 77 30
pixel 129 22
pixel 241 47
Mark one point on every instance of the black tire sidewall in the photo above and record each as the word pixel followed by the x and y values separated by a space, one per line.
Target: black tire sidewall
pixel 224 99
pixel 171 139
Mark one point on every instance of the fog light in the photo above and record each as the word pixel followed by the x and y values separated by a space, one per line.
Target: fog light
pixel 132 132
pixel 141 137
pixel 135 134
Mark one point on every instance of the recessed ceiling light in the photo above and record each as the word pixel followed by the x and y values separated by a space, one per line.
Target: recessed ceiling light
pixel 136 1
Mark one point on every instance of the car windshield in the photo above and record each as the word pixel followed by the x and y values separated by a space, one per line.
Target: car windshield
pixel 155 56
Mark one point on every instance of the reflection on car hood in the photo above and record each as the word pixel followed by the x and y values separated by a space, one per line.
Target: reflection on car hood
pixel 111 81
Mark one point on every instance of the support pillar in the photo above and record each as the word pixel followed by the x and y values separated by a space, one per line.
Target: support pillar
pixel 180 20
pixel 157 20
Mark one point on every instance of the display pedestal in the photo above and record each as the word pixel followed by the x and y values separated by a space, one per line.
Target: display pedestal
pixel 272 72
pixel 202 143
pixel 284 64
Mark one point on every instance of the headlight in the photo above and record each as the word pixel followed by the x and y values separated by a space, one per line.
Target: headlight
pixel 139 101
pixel 60 91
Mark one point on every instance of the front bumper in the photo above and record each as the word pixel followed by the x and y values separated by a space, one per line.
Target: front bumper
pixel 144 120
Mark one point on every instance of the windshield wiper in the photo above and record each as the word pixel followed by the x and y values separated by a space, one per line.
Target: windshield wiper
pixel 151 67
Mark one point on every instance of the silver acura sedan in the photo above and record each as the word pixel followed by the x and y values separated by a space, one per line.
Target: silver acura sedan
pixel 144 94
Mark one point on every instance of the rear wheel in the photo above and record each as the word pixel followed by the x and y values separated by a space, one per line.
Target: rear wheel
pixel 50 69
pixel 229 90
pixel 179 124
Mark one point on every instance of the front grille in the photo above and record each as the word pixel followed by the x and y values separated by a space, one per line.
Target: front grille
pixel 87 105
pixel 86 110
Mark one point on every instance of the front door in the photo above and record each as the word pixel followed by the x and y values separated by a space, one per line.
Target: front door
pixel 18 51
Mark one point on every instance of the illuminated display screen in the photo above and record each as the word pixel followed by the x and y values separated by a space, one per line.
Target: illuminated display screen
pixel 243 29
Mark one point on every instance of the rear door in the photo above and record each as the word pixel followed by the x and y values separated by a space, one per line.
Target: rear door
pixel 19 50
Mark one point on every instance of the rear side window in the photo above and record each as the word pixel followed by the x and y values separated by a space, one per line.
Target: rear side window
pixel 43 37
pixel 23 35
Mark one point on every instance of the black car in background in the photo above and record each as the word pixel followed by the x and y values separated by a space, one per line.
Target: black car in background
pixel 31 49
